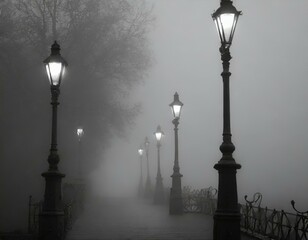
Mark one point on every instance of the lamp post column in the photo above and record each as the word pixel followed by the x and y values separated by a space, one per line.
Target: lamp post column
pixel 140 188
pixel 52 215
pixel 148 185
pixel 159 189
pixel 80 133
pixel 227 216
pixel 176 201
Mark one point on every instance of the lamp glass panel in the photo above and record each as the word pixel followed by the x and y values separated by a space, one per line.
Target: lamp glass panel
pixel 227 22
pixel 219 28
pixel 140 151
pixel 48 73
pixel 158 136
pixel 176 110
pixel 79 132
pixel 54 72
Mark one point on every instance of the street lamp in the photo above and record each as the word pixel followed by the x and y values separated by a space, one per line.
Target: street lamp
pixel 51 223
pixel 176 201
pixel 80 134
pixel 148 185
pixel 159 189
pixel 227 215
pixel 140 189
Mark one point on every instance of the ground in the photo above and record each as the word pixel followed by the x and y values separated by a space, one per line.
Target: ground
pixel 131 219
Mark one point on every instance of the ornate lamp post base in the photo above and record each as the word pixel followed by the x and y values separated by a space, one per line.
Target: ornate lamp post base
pixel 51 226
pixel 176 200
pixel 51 219
pixel 227 216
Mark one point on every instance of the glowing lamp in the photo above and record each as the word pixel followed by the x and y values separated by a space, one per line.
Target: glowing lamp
pixel 55 65
pixel 140 151
pixel 80 133
pixel 176 106
pixel 159 133
pixel 225 19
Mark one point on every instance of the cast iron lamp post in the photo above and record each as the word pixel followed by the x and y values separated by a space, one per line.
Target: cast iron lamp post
pixel 227 215
pixel 80 134
pixel 80 184
pixel 176 201
pixel 51 222
pixel 159 189
pixel 148 185
pixel 140 189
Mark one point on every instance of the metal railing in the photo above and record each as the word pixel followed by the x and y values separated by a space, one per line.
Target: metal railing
pixel 270 223
pixel 74 200
pixel 34 210
pixel 262 223
pixel 199 201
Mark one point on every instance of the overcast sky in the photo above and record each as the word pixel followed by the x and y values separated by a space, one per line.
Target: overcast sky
pixel 269 111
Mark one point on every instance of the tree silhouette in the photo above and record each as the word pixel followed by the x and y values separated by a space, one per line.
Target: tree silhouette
pixel 105 44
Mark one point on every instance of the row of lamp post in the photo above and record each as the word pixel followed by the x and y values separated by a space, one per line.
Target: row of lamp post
pixel 159 189
pixel 227 215
pixel 176 202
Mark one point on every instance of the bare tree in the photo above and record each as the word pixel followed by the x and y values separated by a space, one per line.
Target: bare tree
pixel 105 44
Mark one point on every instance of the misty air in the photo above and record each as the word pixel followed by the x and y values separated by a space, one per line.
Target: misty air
pixel 153 119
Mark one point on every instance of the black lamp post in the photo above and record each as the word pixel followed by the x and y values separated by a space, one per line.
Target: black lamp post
pixel 140 188
pixel 51 222
pixel 80 134
pixel 159 197
pixel 176 201
pixel 227 216
pixel 148 185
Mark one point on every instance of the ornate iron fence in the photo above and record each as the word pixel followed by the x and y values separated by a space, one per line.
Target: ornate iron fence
pixel 264 222
pixel 301 224
pixel 199 201
pixel 74 200
pixel 35 209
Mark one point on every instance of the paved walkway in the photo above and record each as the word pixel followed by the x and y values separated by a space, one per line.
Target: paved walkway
pixel 128 219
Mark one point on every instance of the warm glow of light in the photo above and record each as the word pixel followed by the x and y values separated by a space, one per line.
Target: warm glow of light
pixel 80 132
pixel 140 151
pixel 158 136
pixel 176 110
pixel 54 72
pixel 227 21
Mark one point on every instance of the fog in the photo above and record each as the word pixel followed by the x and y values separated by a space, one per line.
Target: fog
pixel 268 101
pixel 269 111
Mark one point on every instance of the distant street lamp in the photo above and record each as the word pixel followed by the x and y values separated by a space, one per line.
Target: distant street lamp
pixel 148 185
pixel 159 197
pixel 176 201
pixel 227 215
pixel 51 219
pixel 140 189
pixel 80 134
